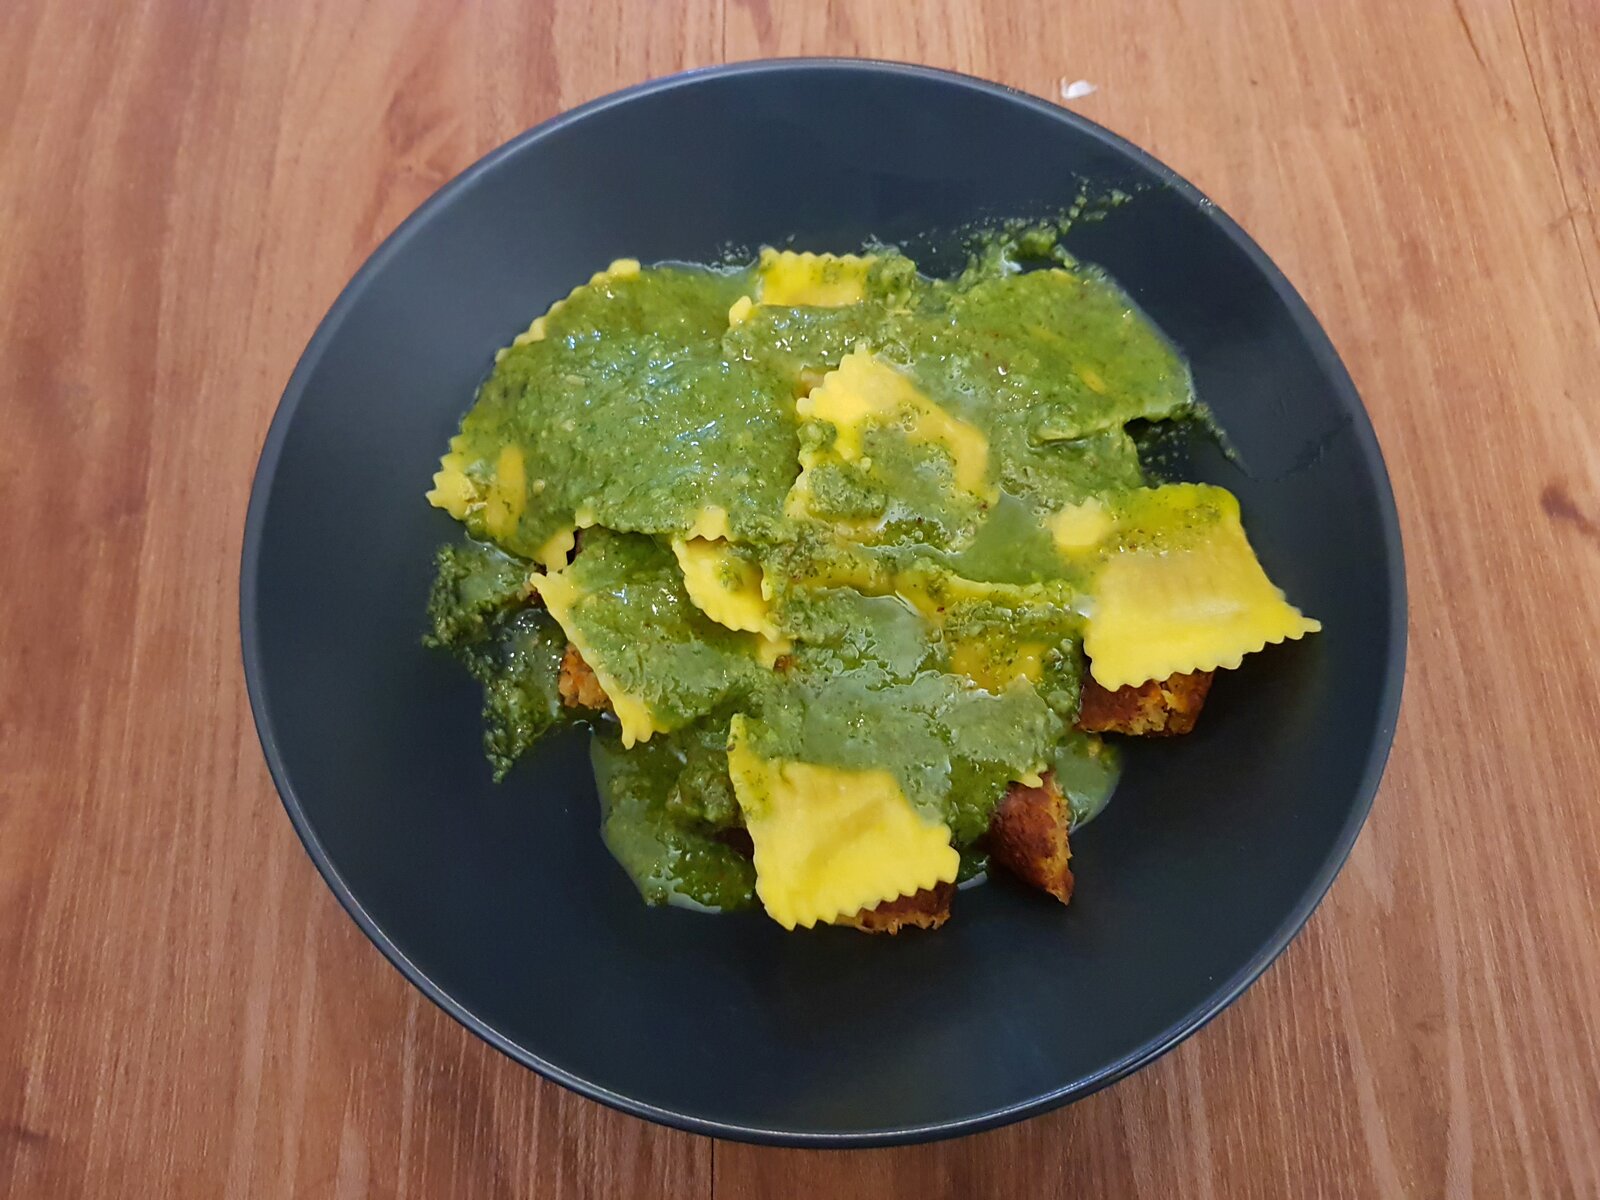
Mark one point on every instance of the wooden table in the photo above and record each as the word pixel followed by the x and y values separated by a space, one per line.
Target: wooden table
pixel 184 186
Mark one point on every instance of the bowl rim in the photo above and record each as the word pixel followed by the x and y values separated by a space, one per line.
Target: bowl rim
pixel 1221 997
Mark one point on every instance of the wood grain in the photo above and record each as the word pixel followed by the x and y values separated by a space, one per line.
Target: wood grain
pixel 184 186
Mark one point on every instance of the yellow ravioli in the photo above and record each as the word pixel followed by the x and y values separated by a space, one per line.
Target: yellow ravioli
pixel 552 556
pixel 810 280
pixel 1181 590
pixel 710 522
pixel 453 489
pixel 729 589
pixel 500 504
pixel 1081 526
pixel 993 664
pixel 561 596
pixel 864 390
pixel 502 508
pixel 830 842
pixel 622 268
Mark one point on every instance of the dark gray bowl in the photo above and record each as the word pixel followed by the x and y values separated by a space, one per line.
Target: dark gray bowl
pixel 500 902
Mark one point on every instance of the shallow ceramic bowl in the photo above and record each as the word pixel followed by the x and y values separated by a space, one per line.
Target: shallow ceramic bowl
pixel 500 902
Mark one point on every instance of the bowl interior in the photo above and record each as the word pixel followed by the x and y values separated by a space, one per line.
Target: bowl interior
pixel 501 901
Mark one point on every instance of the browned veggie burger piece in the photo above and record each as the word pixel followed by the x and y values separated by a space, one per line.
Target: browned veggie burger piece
pixel 577 683
pixel 1028 837
pixel 927 909
pixel 1155 708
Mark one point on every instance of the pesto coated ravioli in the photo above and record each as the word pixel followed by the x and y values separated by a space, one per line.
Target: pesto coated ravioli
pixel 848 568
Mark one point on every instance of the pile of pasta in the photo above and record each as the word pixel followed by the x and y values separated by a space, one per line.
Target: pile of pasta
pixel 877 548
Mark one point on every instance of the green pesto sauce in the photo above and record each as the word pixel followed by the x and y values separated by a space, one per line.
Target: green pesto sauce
pixel 477 609
pixel 871 688
pixel 952 747
pixel 638 626
pixel 629 408
pixel 663 803
pixel 474 585
pixel 1010 546
pixel 1087 770
pixel 643 406
pixel 798 344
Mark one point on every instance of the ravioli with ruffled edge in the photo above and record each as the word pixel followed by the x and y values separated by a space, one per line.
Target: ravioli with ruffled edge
pixel 854 568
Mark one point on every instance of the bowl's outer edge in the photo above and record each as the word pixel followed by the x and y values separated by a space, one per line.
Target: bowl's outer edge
pixel 1230 990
